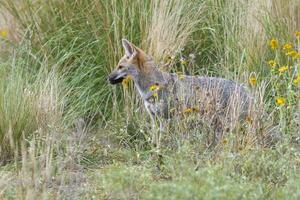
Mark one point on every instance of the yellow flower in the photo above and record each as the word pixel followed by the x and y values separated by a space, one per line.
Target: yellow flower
pixel 272 63
pixel 297 56
pixel 252 80
pixel 287 46
pixel 126 81
pixel 154 87
pixel 181 77
pixel 188 110
pixel 224 141
pixel 196 109
pixel 297 79
pixel 297 34
pixel 3 33
pixel 283 69
pixel 183 61
pixel 170 58
pixel 155 94
pixel 280 101
pixel 273 43
pixel 249 119
pixel 291 53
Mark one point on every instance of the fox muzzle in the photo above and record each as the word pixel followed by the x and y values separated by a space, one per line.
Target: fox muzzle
pixel 115 79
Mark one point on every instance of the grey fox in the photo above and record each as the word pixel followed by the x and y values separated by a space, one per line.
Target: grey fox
pixel 166 95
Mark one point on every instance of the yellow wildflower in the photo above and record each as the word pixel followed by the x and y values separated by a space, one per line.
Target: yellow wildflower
pixel 154 87
pixel 283 69
pixel 3 33
pixel 297 79
pixel 224 141
pixel 252 80
pixel 297 34
pixel 188 110
pixel 249 119
pixel 170 58
pixel 280 101
pixel 291 53
pixel 183 61
pixel 272 63
pixel 287 46
pixel 297 56
pixel 273 44
pixel 196 109
pixel 126 81
pixel 181 77
pixel 155 94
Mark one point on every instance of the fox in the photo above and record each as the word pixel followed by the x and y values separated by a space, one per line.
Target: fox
pixel 167 95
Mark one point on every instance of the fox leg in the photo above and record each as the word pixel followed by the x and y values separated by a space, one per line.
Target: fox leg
pixel 217 133
pixel 163 126
pixel 155 131
pixel 153 122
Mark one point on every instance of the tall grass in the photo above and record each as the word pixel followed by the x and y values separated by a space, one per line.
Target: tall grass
pixel 171 26
pixel 29 102
pixel 88 54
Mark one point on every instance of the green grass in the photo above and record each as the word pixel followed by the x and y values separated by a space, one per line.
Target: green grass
pixel 248 174
pixel 65 133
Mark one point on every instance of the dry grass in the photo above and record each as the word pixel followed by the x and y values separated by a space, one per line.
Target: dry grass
pixel 171 26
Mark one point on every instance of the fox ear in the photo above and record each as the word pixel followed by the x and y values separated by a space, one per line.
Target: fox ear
pixel 130 50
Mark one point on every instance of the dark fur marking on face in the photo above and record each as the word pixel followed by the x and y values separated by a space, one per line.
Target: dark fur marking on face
pixel 113 80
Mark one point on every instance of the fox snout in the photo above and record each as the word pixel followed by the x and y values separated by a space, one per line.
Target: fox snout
pixel 115 78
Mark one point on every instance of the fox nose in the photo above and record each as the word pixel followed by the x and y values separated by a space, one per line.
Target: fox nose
pixel 110 78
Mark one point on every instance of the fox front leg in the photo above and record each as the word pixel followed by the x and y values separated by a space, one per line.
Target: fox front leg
pixel 154 131
pixel 151 113
pixel 162 126
pixel 157 131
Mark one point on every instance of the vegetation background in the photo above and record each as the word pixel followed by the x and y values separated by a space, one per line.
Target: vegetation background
pixel 66 134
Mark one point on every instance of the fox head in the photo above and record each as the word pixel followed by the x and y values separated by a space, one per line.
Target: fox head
pixel 130 64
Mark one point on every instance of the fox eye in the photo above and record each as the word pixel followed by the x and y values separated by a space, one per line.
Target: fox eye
pixel 120 67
